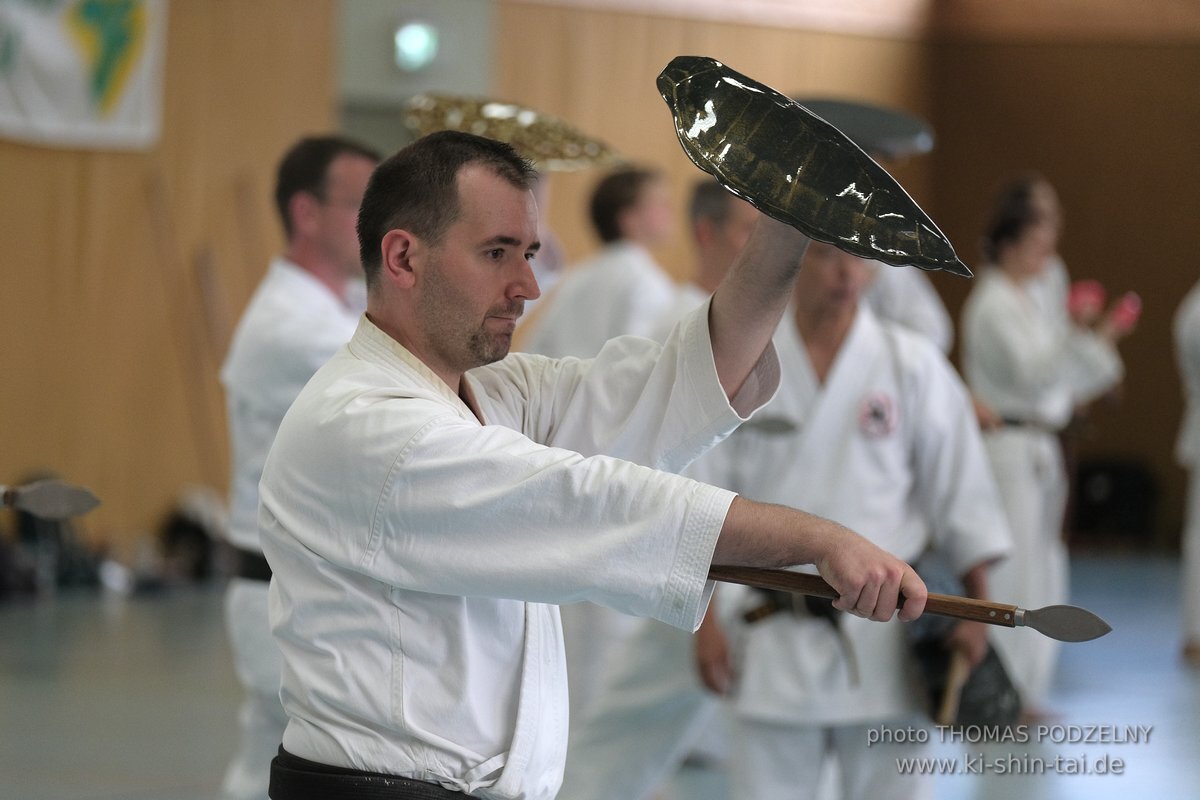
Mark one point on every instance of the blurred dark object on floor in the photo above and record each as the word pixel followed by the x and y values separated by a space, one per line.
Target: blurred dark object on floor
pixel 1114 502
pixel 191 536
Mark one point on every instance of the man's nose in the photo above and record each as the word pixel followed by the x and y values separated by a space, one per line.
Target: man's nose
pixel 526 284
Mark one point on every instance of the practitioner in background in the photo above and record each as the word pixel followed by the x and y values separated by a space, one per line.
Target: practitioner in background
pixel 305 308
pixel 620 290
pixel 1030 365
pixel 1187 452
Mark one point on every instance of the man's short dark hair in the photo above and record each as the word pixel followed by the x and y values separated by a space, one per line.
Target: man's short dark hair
pixel 710 201
pixel 305 168
pixel 615 193
pixel 417 189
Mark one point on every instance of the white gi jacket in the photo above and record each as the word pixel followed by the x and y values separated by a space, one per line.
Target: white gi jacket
pixel 292 325
pixel 621 290
pixel 417 554
pixel 1026 363
pixel 888 446
pixel 906 296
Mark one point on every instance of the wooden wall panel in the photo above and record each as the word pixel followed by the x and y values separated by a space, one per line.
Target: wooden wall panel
pixel 110 346
pixel 597 70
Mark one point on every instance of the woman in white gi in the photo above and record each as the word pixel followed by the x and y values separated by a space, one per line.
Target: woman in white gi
pixel 873 427
pixel 1187 451
pixel 429 501
pixel 1032 368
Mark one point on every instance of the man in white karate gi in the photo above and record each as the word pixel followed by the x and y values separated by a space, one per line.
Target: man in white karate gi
pixel 301 313
pixel 873 427
pixel 428 502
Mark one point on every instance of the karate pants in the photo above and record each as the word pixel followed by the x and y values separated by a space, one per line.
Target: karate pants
pixel 644 721
pixel 1190 583
pixel 258 664
pixel 1029 471
pixel 785 762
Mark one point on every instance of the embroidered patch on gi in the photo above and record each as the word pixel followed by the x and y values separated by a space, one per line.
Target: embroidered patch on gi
pixel 877 415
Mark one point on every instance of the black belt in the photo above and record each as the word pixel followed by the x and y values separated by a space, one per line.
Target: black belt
pixel 1028 424
pixel 774 601
pixel 250 565
pixel 295 778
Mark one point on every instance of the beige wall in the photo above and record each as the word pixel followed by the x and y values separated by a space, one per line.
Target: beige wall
pixel 122 271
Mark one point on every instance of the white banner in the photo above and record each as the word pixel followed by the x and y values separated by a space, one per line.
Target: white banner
pixel 82 73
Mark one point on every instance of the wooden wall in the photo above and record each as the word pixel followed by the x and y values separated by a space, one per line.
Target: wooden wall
pixel 597 69
pixel 123 271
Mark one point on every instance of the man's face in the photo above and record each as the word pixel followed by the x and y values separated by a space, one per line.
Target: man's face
pixel 651 220
pixel 337 213
pixel 832 279
pixel 735 230
pixel 474 283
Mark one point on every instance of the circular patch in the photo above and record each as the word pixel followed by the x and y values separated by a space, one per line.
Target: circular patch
pixel 877 415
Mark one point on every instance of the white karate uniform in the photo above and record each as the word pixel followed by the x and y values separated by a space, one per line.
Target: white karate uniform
pixel 1033 367
pixel 292 325
pixel 907 297
pixel 1187 453
pixel 619 291
pixel 901 460
pixel 418 554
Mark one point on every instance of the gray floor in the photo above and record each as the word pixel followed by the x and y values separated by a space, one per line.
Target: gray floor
pixel 107 698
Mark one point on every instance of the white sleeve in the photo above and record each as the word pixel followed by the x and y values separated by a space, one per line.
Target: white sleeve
pixel 658 405
pixel 472 510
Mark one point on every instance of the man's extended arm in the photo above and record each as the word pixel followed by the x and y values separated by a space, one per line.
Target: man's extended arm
pixel 869 580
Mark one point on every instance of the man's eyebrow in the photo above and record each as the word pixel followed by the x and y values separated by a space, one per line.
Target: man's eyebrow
pixel 510 241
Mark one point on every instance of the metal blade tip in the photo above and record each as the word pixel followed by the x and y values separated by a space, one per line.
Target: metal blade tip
pixel 1066 623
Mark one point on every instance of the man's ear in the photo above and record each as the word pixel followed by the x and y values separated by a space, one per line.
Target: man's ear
pixel 398 249
pixel 302 210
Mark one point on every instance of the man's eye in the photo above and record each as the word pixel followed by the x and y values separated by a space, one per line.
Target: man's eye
pixel 496 254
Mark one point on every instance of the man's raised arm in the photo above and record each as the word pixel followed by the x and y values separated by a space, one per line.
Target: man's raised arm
pixel 750 301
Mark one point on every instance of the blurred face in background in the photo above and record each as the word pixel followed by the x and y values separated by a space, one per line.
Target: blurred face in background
pixel 336 212
pixel 651 220
pixel 831 281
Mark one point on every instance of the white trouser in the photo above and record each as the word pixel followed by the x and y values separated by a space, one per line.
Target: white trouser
pixel 785 762
pixel 1029 471
pixel 261 719
pixel 645 720
pixel 1191 560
